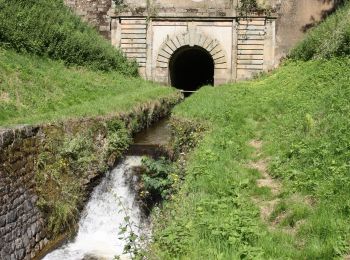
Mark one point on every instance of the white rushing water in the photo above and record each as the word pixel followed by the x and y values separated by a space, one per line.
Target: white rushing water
pixel 103 216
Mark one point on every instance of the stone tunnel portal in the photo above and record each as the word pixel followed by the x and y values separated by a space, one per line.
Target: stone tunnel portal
pixel 191 68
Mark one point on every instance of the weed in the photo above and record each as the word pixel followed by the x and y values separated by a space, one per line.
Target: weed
pixel 185 134
pixel 118 138
pixel 158 179
pixel 62 165
pixel 77 152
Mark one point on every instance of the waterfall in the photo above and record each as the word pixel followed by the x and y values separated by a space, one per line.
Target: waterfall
pixel 111 201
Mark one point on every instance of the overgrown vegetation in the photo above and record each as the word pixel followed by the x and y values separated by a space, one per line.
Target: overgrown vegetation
pixel 185 135
pixel 34 89
pixel 49 28
pixel 248 7
pixel 329 39
pixel 158 179
pixel 65 163
pixel 300 114
pixel 118 138
pixel 162 177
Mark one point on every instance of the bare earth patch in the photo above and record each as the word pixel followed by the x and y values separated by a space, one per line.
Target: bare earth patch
pixel 257 144
pixel 261 166
pixel 4 97
pixel 266 207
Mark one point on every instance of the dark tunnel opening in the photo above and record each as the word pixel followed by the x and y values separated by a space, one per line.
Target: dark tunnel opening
pixel 191 68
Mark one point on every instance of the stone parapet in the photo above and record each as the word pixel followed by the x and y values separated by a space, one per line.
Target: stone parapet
pixel 172 12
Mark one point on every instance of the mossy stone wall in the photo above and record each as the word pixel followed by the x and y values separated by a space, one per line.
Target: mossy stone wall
pixel 36 163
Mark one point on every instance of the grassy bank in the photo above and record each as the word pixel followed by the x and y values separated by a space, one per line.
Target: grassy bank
pixel 53 66
pixel 35 89
pixel 49 28
pixel 300 114
pixel 270 179
pixel 330 39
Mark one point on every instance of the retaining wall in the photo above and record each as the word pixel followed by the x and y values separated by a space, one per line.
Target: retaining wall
pixel 94 12
pixel 23 227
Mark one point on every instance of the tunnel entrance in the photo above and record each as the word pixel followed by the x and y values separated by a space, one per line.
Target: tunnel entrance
pixel 191 68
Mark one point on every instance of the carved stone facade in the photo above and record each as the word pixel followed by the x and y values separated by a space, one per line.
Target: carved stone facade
pixel 152 34
pixel 156 32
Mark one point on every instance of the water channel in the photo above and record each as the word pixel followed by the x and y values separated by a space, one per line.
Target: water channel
pixel 111 201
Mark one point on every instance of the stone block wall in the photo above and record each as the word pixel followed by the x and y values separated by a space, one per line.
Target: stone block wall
pixel 294 18
pixel 94 12
pixel 133 36
pixel 23 227
pixel 253 46
pixel 132 27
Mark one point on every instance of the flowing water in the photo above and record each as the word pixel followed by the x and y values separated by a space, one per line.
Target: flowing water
pixel 111 201
pixel 157 134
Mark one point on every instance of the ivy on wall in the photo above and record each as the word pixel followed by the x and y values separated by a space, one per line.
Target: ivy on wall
pixel 246 7
pixel 118 2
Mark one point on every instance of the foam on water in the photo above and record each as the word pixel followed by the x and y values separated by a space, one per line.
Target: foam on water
pixel 100 223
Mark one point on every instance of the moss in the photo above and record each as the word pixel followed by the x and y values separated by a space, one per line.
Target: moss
pixel 72 153
pixel 62 164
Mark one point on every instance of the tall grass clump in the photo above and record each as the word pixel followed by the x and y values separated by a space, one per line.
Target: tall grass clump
pixel 49 28
pixel 330 39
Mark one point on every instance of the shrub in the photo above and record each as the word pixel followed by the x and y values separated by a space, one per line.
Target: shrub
pixel 48 27
pixel 329 39
pixel 158 178
pixel 118 137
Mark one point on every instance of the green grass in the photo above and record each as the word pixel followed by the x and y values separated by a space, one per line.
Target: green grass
pixel 35 89
pixel 49 28
pixel 330 39
pixel 302 114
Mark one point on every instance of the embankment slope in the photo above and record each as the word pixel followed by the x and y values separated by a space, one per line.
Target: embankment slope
pixel 80 101
pixel 270 179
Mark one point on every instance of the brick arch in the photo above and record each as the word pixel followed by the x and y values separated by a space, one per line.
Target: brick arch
pixel 191 39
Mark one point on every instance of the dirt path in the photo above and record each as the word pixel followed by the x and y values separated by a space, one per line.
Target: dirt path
pixel 261 165
pixel 267 206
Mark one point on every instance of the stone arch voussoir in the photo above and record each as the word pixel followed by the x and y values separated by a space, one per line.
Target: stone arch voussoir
pixel 191 38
